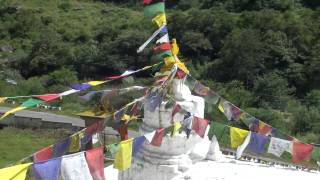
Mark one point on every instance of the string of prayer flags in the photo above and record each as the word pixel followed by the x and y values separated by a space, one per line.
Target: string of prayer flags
pixel 158 136
pixel 12 111
pixel 124 155
pixel 137 143
pixel 232 112
pixel 43 154
pixel 17 172
pixel 123 75
pixel 152 10
pixel 199 125
pixel 95 160
pixel 49 169
pixel 301 152
pixel 200 89
pixel 257 142
pixel 75 167
pixel 277 146
pixel 237 136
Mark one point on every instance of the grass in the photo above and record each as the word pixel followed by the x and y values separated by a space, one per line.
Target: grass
pixel 16 144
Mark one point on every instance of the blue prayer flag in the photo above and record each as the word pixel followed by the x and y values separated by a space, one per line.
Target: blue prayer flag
pixel 47 170
pixel 257 142
pixel 137 143
pixel 81 87
pixel 60 148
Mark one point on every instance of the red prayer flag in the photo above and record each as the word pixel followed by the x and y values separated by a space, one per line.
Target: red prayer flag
pixel 177 108
pixel 180 74
pixel 264 128
pixel 43 154
pixel 48 97
pixel 199 125
pixel 157 138
pixel 148 2
pixel 301 152
pixel 162 47
pixel 95 127
pixel 95 162
pixel 123 131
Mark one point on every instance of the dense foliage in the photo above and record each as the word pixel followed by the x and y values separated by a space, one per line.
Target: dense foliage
pixel 263 55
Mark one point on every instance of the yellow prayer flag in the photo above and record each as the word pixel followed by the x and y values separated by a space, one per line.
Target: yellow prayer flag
pixel 176 127
pixel 75 142
pixel 3 99
pixel 124 155
pixel 182 66
pixel 175 47
pixel 160 19
pixel 95 83
pixel 237 136
pixel 17 172
pixel 220 107
pixel 12 111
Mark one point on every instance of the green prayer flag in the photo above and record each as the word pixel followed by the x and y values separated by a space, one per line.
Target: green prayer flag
pixel 162 55
pixel 112 150
pixel 31 103
pixel 154 9
pixel 316 153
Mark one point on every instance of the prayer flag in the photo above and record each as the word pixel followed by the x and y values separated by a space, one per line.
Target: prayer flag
pixel 95 83
pixel 162 47
pixel 137 143
pixel 257 142
pixel 177 108
pixel 180 74
pixel 123 75
pixel 316 154
pixel 149 136
pixel 254 125
pixel 12 111
pixel 89 95
pixel 119 114
pixel 124 155
pixel 48 97
pixel 243 146
pixel 175 47
pixel 81 87
pixel 3 99
pixel 200 89
pixel 43 154
pixel 17 172
pixel 74 143
pixel 47 170
pixel 123 131
pixel 112 149
pixel 160 19
pixel 163 39
pixel 31 103
pixel 95 160
pixel 264 128
pixel 75 167
pixel 176 127
pixel 153 100
pixel 237 136
pixel 153 10
pixel 95 127
pixel 199 125
pixel 60 148
pixel 148 2
pixel 161 55
pixel 278 146
pixel 218 129
pixel 68 92
pixel 301 152
pixel 157 138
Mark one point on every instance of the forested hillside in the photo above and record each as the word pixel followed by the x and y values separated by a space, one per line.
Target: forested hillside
pixel 262 55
